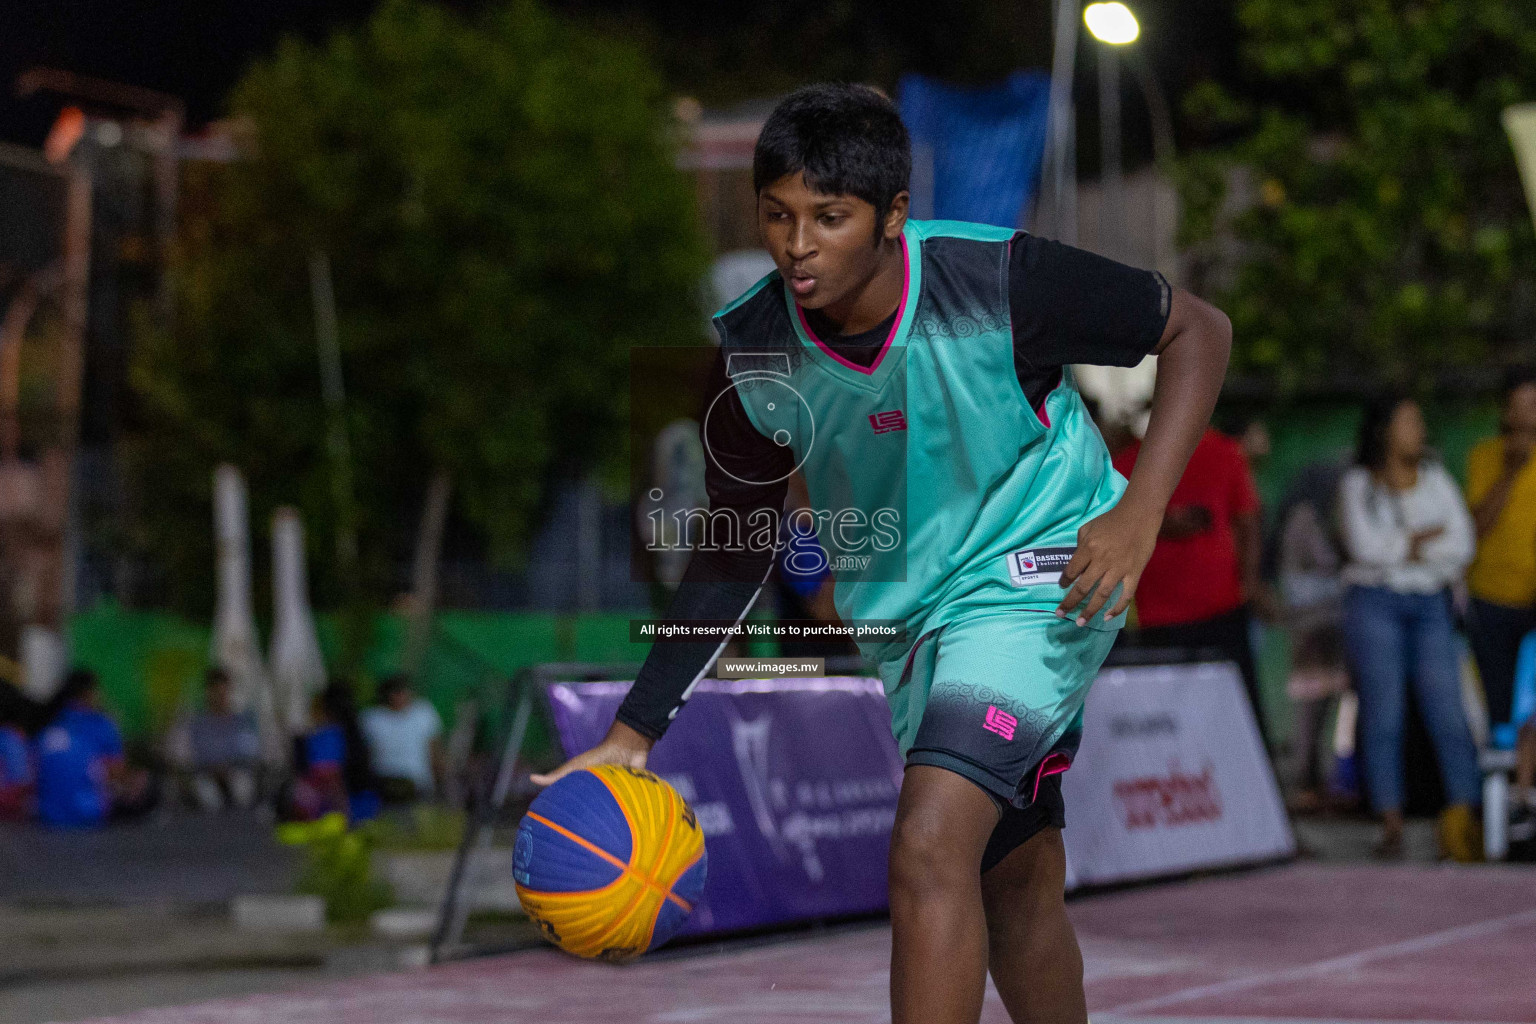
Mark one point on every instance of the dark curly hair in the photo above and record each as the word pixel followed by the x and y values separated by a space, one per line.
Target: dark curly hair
pixel 846 139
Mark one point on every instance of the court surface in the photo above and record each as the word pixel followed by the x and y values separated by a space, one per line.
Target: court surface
pixel 1304 942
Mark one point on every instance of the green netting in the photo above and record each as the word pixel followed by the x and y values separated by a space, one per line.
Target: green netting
pixel 1305 434
pixel 151 663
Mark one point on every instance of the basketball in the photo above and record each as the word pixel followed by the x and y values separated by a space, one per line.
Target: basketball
pixel 609 862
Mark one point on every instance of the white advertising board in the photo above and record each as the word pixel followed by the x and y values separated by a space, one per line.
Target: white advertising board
pixel 1171 777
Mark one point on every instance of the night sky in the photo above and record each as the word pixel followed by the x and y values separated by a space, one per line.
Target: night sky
pixel 198 50
pixel 194 50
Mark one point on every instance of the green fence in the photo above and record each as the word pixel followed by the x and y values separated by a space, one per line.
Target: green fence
pixel 151 663
pixel 1307 433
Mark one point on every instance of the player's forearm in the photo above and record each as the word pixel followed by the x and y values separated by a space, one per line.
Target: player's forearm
pixel 1191 366
pixel 713 588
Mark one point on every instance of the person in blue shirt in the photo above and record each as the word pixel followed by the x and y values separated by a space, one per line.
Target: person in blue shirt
pixel 82 776
pixel 334 773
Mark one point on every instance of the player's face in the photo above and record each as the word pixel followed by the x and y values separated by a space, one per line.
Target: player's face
pixel 827 247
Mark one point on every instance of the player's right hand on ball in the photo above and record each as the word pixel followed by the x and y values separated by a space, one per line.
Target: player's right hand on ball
pixel 622 745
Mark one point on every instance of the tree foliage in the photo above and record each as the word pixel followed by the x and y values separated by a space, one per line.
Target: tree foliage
pixel 1384 231
pixel 501 210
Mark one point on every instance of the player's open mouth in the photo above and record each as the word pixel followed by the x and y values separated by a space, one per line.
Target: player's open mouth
pixel 802 285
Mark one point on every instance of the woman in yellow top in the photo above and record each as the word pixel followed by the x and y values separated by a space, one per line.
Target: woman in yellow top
pixel 1501 491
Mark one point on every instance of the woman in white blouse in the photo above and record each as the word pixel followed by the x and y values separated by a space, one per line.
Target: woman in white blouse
pixel 1408 537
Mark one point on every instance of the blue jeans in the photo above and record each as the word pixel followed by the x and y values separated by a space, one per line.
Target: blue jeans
pixel 1392 638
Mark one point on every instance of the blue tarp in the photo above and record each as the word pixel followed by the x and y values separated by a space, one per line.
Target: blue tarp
pixel 986 146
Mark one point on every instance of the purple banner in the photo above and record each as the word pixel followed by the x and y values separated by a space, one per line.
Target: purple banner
pixel 794 782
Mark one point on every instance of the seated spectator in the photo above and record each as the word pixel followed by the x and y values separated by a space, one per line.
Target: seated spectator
pixel 332 771
pixel 1407 538
pixel 17 780
pixel 404 740
pixel 221 747
pixel 82 777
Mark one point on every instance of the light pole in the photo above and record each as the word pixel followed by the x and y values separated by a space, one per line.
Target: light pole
pixel 1115 26
pixel 1061 164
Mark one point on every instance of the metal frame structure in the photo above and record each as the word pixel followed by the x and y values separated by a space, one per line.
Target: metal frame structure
pixel 447 940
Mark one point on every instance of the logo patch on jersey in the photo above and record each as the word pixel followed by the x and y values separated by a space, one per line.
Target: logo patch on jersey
pixel 885 422
pixel 1000 722
pixel 1034 566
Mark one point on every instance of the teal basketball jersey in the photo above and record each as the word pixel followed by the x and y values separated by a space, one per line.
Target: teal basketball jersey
pixel 939 491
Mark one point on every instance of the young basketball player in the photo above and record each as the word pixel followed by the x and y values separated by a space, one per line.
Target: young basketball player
pixel 920 371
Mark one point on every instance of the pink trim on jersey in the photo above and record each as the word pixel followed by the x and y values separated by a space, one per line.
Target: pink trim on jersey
pixel 901 311
pixel 1054 764
pixel 1045 417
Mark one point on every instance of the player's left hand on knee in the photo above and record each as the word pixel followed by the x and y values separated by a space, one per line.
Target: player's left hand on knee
pixel 1112 551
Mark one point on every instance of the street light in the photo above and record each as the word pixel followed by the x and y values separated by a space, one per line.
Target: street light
pixel 1115 26
pixel 1111 23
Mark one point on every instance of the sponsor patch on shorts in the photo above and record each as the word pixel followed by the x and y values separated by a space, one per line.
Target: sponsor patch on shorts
pixel 1033 566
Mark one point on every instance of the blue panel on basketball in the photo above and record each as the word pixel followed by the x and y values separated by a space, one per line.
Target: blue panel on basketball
pixel 545 860
pixel 590 853
pixel 690 889
pixel 690 886
pixel 583 804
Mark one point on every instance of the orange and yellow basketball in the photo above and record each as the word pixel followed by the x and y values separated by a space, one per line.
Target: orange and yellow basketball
pixel 609 862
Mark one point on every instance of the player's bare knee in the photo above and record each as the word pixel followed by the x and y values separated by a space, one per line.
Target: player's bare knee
pixel 925 858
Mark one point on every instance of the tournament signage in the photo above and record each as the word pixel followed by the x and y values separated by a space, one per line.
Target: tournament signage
pixel 1171 777
pixel 794 781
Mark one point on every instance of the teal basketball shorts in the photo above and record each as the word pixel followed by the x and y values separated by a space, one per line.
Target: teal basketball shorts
pixel 998 698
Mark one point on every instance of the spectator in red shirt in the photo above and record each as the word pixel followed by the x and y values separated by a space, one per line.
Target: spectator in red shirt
pixel 1204 571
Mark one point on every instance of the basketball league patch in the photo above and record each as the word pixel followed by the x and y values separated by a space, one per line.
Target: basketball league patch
pixel 1032 567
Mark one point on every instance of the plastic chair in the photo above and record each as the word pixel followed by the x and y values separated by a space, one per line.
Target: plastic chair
pixel 1498 760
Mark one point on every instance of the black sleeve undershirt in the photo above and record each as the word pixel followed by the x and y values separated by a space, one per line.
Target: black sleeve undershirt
pixel 747 474
pixel 1070 306
pixel 1067 306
